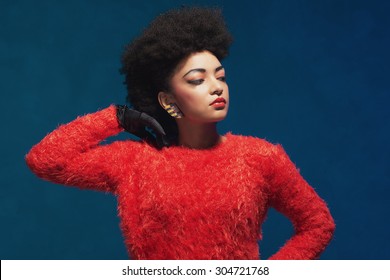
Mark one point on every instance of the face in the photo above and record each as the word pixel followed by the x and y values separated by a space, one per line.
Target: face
pixel 199 89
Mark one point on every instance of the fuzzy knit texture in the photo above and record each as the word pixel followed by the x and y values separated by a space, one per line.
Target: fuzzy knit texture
pixel 182 203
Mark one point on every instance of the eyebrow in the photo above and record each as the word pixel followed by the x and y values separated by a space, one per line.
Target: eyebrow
pixel 202 70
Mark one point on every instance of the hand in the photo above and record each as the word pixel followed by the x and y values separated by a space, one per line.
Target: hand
pixel 136 123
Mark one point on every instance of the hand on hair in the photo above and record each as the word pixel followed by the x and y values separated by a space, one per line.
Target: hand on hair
pixel 136 123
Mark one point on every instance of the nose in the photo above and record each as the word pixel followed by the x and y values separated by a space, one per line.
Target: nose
pixel 218 92
pixel 217 88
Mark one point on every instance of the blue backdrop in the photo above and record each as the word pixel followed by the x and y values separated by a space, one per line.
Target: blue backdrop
pixel 311 75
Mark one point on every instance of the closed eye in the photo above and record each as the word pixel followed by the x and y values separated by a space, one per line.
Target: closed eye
pixel 196 82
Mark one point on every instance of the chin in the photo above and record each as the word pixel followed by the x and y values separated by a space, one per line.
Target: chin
pixel 210 118
pixel 218 119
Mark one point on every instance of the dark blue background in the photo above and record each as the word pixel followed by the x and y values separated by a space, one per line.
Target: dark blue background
pixel 311 75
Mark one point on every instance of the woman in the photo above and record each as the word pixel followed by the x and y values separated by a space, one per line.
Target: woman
pixel 184 191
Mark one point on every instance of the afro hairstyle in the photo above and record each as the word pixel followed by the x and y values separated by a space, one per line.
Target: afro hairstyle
pixel 149 61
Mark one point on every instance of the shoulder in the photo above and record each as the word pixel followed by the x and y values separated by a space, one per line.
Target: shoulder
pixel 252 145
pixel 130 149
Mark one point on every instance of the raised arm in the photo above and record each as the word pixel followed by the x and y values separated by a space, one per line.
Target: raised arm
pixel 71 154
pixel 294 197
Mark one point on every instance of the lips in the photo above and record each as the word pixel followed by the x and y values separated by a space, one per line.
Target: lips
pixel 218 100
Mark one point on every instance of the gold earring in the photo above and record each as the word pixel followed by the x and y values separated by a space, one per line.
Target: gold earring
pixel 173 110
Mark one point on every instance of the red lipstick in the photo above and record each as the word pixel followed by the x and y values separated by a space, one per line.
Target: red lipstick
pixel 219 100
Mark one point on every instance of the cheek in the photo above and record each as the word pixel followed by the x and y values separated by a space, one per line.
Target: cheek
pixel 188 98
pixel 226 90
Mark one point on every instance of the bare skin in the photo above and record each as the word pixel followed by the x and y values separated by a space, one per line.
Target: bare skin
pixel 196 83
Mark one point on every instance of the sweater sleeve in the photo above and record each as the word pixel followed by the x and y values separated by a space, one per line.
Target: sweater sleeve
pixel 294 197
pixel 71 154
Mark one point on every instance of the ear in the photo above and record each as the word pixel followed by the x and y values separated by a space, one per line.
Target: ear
pixel 165 98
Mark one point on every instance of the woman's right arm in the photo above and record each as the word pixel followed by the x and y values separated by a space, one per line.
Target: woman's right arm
pixel 72 155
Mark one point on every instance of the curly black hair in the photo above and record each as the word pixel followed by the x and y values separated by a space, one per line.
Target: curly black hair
pixel 149 61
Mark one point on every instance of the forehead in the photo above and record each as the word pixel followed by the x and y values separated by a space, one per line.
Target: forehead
pixel 203 59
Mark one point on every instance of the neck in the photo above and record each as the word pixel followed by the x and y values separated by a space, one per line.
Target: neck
pixel 198 136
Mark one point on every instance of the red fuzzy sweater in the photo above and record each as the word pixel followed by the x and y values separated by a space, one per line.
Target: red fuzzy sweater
pixel 182 203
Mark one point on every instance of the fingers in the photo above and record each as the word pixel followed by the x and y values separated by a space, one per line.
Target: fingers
pixel 152 123
pixel 142 125
pixel 162 141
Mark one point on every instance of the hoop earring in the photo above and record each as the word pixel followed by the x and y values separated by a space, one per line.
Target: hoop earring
pixel 173 110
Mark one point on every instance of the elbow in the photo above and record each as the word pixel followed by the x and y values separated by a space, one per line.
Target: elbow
pixel 31 161
pixel 330 227
pixel 42 164
pixel 326 230
pixel 326 234
pixel 324 225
